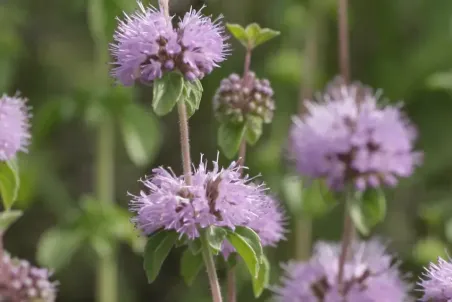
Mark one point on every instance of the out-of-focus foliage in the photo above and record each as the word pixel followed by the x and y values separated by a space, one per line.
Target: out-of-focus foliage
pixel 48 53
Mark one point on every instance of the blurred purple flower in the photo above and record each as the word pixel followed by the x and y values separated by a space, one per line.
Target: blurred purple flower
pixel 437 285
pixel 369 276
pixel 346 137
pixel 19 281
pixel 14 126
pixel 220 197
pixel 146 45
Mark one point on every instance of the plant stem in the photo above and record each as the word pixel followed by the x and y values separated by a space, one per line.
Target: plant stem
pixel 211 270
pixel 347 236
pixel 247 64
pixel 184 141
pixel 343 36
pixel 107 275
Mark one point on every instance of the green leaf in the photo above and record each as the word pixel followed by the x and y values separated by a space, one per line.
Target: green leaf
pixel 262 280
pixel 265 35
pixel 441 80
pixel 191 264
pixel 368 209
pixel 429 249
pixel 7 218
pixel 157 249
pixel 252 33
pixel 9 182
pixel 238 32
pixel 215 237
pixel 230 137
pixel 317 199
pixel 167 91
pixel 195 246
pixel 192 96
pixel 141 134
pixel 248 247
pixel 57 246
pixel 254 125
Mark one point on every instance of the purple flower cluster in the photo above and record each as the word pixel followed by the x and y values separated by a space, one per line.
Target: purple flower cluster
pixel 437 287
pixel 146 45
pixel 219 197
pixel 236 98
pixel 14 126
pixel 19 281
pixel 348 138
pixel 369 276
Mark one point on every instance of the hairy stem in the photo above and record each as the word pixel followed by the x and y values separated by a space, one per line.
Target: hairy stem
pixel 347 237
pixel 232 290
pixel 107 275
pixel 247 64
pixel 211 270
pixel 164 6
pixel 343 36
pixel 184 141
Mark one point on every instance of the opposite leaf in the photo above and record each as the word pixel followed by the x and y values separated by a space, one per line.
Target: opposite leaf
pixel 166 92
pixel 7 218
pixel 230 137
pixel 238 32
pixel 157 249
pixel 257 35
pixel 368 209
pixel 254 125
pixel 216 236
pixel 262 280
pixel 9 182
pixel 190 266
pixel 192 95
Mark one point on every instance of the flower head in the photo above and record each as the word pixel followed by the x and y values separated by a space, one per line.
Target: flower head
pixel 14 126
pixel 146 46
pixel 19 281
pixel 218 197
pixel 437 285
pixel 348 138
pixel 369 276
pixel 236 98
pixel 203 44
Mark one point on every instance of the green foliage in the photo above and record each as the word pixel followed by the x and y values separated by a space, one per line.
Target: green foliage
pixel 254 125
pixel 157 249
pixel 368 209
pixel 167 92
pixel 253 35
pixel 247 244
pixel 429 249
pixel 441 80
pixel 192 96
pixel 215 237
pixel 7 218
pixel 230 137
pixel 140 133
pixel 9 182
pixel 191 265
pixel 263 278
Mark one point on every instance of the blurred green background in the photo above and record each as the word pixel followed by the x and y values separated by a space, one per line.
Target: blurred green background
pixel 55 53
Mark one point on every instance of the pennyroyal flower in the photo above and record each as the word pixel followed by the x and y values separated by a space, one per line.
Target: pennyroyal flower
pixel 370 275
pixel 22 282
pixel 437 283
pixel 346 137
pixel 217 197
pixel 14 126
pixel 146 45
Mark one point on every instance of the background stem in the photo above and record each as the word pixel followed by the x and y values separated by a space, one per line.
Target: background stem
pixel 343 35
pixel 347 235
pixel 107 275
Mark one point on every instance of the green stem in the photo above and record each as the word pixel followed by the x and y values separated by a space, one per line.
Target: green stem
pixel 107 274
pixel 303 237
pixel 211 270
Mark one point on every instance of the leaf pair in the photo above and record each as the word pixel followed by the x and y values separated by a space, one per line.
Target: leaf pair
pixel 9 189
pixel 231 135
pixel 171 89
pixel 253 35
pixel 368 209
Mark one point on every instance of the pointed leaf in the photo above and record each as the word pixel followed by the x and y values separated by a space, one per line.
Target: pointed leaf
pixel 244 247
pixel 265 35
pixel 252 33
pixel 140 133
pixel 191 264
pixel 9 182
pixel 216 236
pixel 230 137
pixel 192 96
pixel 368 209
pixel 254 125
pixel 252 238
pixel 238 32
pixel 7 218
pixel 166 92
pixel 195 246
pixel 157 249
pixel 317 199
pixel 262 280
